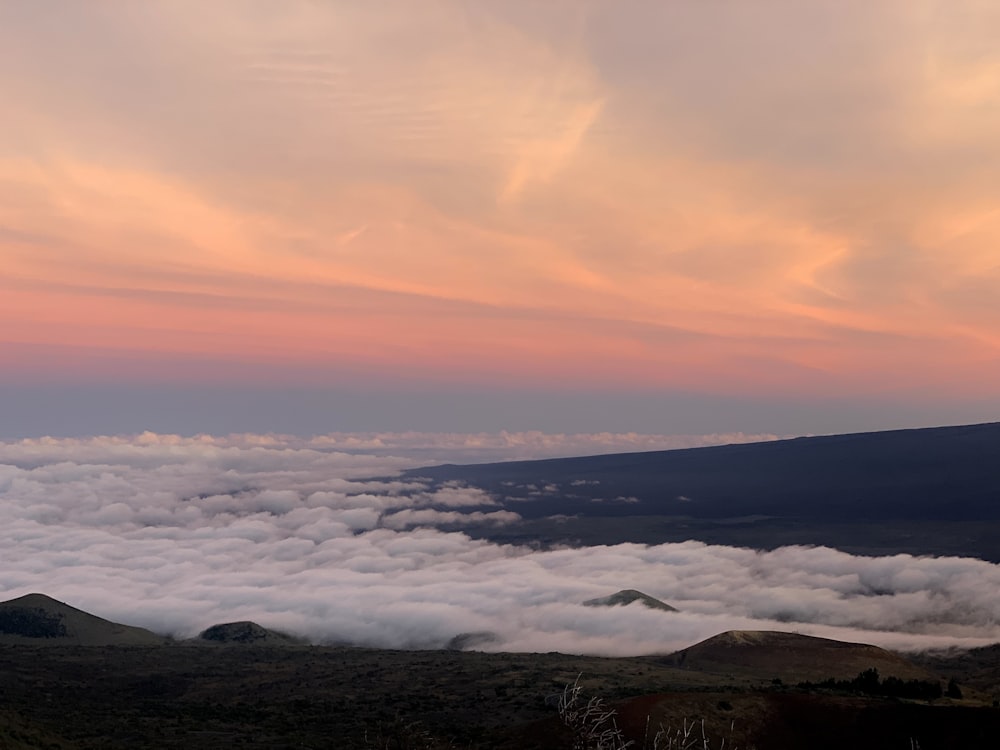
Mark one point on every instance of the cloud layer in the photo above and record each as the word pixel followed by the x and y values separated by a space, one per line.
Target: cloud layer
pixel 176 534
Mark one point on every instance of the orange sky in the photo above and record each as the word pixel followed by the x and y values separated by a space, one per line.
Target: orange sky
pixel 765 197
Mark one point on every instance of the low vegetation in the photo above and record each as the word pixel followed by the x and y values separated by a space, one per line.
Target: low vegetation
pixel 593 725
pixel 869 683
pixel 31 622
pixel 256 697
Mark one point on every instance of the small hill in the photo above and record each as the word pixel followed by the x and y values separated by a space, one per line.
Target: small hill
pixel 41 620
pixel 627 596
pixel 246 632
pixel 793 658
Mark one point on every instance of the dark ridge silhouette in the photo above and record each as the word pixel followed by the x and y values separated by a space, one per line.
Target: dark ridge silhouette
pixel 31 622
pixel 942 472
pixel 923 491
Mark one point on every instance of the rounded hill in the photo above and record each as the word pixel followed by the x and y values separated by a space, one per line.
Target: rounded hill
pixel 792 657
pixel 40 619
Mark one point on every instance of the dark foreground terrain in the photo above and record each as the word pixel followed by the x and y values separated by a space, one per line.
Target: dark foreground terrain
pixel 73 680
pixel 212 696
pixel 933 491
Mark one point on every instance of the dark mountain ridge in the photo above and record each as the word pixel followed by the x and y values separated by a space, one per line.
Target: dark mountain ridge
pixel 931 491
pixel 938 473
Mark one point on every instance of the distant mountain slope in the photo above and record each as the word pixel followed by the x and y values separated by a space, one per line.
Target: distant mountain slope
pixel 926 491
pixel 792 657
pixel 40 620
pixel 948 473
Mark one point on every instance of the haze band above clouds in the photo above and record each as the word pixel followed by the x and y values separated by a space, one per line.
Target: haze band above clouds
pixel 427 447
pixel 176 534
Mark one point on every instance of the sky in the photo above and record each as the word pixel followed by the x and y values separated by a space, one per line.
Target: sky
pixel 179 533
pixel 673 218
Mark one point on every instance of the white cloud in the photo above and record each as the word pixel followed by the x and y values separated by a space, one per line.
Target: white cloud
pixel 178 533
pixel 515 446
pixel 428 517
pixel 408 449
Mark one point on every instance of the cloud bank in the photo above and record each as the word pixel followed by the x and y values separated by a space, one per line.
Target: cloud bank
pixel 423 448
pixel 460 447
pixel 176 534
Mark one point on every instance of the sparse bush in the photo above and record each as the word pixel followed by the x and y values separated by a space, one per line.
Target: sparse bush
pixel 595 727
pixel 404 735
pixel 592 723
pixel 953 691
pixel 686 737
pixel 31 622
pixel 869 683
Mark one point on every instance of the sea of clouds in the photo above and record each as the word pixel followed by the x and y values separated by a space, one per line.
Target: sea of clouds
pixel 323 538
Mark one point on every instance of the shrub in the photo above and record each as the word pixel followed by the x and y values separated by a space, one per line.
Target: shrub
pixel 592 723
pixel 594 727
